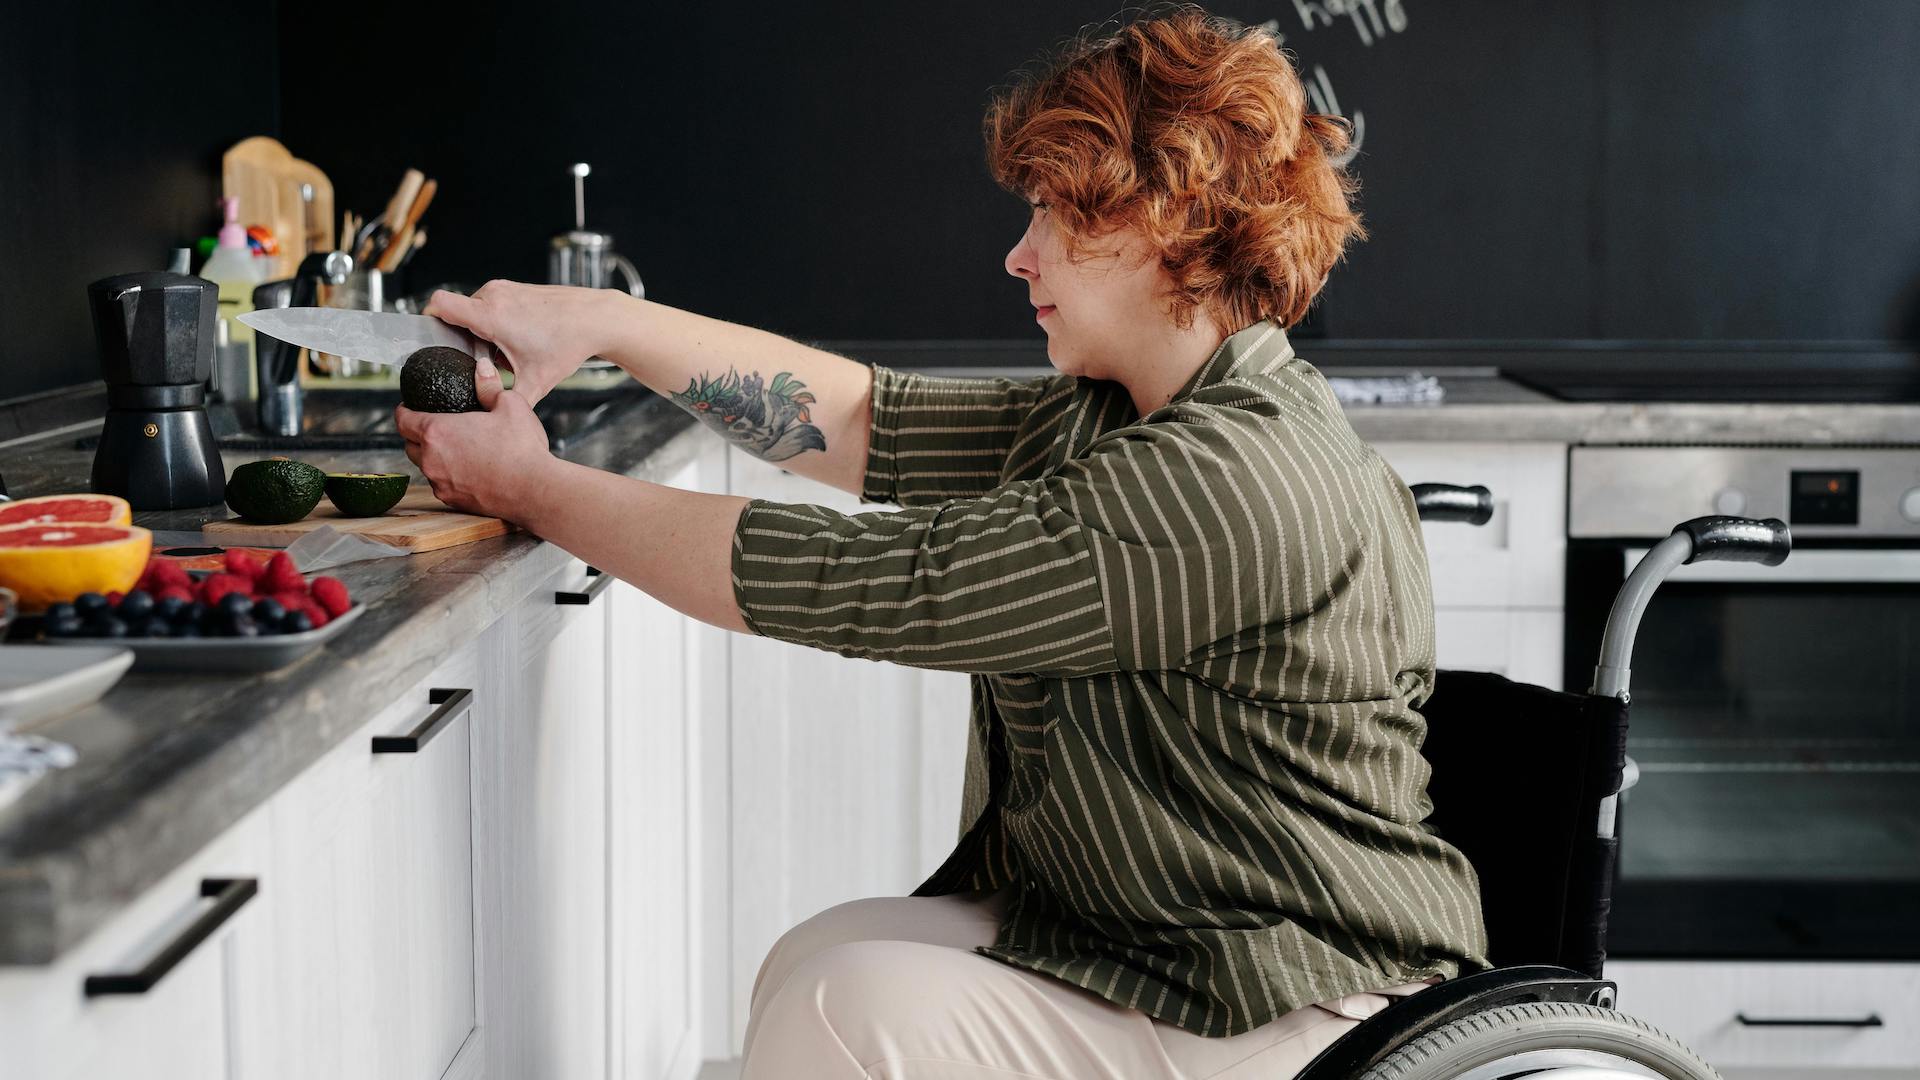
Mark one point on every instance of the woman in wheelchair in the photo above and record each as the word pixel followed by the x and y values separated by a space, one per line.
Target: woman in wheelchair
pixel 1199 837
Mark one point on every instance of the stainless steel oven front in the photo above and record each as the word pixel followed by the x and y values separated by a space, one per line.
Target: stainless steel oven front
pixel 1776 710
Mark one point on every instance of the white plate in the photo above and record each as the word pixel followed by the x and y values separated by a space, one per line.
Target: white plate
pixel 38 683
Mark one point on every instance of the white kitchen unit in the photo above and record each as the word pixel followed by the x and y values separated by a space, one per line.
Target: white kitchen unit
pixel 1499 589
pixel 1775 1021
pixel 656 710
pixel 372 894
pixel 175 958
pixel 845 773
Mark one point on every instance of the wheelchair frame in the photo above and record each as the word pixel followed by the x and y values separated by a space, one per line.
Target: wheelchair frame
pixel 1409 1018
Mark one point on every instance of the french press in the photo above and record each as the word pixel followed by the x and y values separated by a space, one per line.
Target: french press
pixel 584 257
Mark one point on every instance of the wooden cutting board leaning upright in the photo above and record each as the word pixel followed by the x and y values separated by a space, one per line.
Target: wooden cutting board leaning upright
pixel 419 522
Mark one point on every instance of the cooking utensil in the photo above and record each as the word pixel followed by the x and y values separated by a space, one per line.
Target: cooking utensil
pixel 383 337
pixel 419 522
pixel 403 238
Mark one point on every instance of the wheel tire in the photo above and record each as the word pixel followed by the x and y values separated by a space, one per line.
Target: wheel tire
pixel 1542 1025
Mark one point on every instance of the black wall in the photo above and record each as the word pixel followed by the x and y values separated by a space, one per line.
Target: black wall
pixel 1622 169
pixel 110 143
pixel 1720 170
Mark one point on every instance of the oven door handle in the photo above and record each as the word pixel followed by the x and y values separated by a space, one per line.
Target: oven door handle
pixel 1841 566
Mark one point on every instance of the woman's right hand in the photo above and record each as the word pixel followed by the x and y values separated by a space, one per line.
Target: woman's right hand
pixel 542 333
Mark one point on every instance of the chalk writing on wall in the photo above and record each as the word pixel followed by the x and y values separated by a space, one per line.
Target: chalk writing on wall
pixel 1371 20
pixel 1322 99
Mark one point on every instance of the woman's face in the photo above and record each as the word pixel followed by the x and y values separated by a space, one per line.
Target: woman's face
pixel 1098 311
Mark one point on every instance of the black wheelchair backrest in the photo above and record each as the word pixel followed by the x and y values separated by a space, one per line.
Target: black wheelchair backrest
pixel 1519 773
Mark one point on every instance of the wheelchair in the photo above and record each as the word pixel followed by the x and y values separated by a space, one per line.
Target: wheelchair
pixel 1526 782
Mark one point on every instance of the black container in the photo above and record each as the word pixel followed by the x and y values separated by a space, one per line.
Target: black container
pixel 155 332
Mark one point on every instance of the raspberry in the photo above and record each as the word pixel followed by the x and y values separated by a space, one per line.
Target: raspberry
pixel 293 600
pixel 185 596
pixel 164 574
pixel 244 564
pixel 113 598
pixel 331 593
pixel 281 575
pixel 216 586
pixel 317 614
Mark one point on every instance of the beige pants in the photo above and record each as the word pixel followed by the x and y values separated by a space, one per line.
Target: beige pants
pixel 888 989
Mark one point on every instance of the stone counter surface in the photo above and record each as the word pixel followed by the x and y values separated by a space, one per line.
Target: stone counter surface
pixel 167 762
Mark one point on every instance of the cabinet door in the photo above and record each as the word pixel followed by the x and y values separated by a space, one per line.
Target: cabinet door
pixel 541 795
pixel 827 759
pixel 373 971
pixel 652 757
pixel 1517 559
pixel 185 1025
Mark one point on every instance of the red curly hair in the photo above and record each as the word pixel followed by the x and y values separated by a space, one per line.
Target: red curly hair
pixel 1193 129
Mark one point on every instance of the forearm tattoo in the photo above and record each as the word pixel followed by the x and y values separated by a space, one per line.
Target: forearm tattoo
pixel 769 421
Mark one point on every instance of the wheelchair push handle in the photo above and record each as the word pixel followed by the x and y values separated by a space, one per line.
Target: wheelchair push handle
pixel 1451 502
pixel 1703 539
pixel 1733 539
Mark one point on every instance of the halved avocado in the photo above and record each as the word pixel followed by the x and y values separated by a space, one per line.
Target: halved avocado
pixel 365 494
pixel 275 491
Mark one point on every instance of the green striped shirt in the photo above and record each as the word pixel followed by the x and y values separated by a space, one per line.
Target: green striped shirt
pixel 1198 640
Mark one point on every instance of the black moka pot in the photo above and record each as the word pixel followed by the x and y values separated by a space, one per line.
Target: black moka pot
pixel 155 332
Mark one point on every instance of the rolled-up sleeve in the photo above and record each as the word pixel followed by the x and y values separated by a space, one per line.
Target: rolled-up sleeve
pixel 1001 583
pixel 1105 564
pixel 939 438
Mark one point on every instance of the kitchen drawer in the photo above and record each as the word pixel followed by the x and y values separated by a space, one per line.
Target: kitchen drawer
pixel 373 970
pixel 1517 559
pixel 182 1026
pixel 1523 645
pixel 1700 1003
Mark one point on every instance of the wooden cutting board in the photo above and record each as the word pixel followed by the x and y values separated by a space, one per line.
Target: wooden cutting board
pixel 419 522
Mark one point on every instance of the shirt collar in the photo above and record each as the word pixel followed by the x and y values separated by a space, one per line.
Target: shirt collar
pixel 1258 348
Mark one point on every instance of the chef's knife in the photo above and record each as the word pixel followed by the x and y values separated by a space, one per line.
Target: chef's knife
pixel 383 337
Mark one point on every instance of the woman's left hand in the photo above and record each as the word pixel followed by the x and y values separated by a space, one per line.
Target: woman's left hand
pixel 480 462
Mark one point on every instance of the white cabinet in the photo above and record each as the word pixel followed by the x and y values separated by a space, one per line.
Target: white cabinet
pixel 653 768
pixel 1499 589
pixel 187 1024
pixel 372 968
pixel 1701 1003
pixel 829 768
pixel 541 837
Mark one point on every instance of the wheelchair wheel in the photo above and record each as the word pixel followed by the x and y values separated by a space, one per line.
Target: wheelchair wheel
pixel 1539 1039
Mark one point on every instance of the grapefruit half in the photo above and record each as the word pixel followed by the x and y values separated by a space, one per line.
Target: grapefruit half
pixel 56 561
pixel 100 509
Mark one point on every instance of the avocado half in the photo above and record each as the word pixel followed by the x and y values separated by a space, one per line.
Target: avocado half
pixel 275 491
pixel 439 379
pixel 365 494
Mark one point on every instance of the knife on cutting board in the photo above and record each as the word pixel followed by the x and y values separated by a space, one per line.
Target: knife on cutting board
pixel 381 337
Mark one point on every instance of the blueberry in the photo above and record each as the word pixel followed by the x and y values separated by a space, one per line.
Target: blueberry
pixel 151 626
pixel 244 626
pixel 234 604
pixel 60 611
pixel 190 613
pixel 296 622
pixel 269 611
pixel 106 626
pixel 168 607
pixel 187 629
pixel 67 625
pixel 137 604
pixel 89 604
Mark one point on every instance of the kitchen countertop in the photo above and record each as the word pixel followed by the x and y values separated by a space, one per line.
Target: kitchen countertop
pixel 167 762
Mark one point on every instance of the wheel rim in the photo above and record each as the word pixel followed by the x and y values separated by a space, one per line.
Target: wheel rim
pixel 1561 1065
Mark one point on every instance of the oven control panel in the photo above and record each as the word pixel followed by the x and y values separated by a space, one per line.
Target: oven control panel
pixel 1644 491
pixel 1824 498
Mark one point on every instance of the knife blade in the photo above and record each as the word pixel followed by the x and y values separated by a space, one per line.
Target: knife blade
pixel 382 337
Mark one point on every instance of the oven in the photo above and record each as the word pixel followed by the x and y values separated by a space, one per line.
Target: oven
pixel 1776 710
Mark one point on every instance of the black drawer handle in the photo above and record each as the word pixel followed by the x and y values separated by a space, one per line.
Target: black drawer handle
pixel 1870 1020
pixel 229 895
pixel 452 704
pixel 598 584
